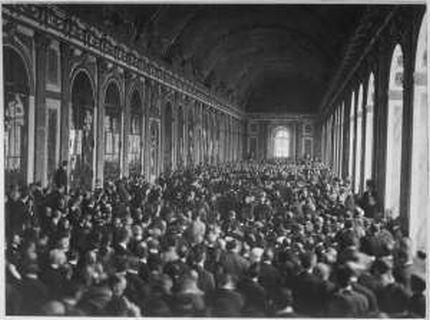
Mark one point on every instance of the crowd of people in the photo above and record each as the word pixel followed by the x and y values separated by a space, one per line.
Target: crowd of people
pixel 244 239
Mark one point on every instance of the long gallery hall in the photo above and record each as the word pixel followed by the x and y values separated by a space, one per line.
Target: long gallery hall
pixel 215 159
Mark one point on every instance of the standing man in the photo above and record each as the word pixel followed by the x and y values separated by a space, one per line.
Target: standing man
pixel 60 176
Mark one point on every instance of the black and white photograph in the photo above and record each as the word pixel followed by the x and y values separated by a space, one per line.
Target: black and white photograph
pixel 242 159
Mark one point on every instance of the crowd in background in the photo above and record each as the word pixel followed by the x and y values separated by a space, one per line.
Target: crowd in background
pixel 245 239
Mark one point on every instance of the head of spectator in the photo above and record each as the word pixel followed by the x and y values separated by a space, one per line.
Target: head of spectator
pixel 123 236
pixel 256 254
pixel 117 284
pixel 227 281
pixel 188 284
pixel 57 258
pixel 284 303
pixel 253 272
pixel 308 260
pixel 344 276
pixel 323 271
pixel 53 308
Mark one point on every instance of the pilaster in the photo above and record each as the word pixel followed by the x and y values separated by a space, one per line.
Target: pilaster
pixel 41 157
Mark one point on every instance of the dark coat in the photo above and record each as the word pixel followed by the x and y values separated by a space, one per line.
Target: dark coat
pixel 370 295
pixel 348 303
pixel 307 293
pixel 393 299
pixel 55 281
pixel 255 298
pixel 206 282
pixel 60 178
pixel 227 303
pixel 137 290
pixel 234 264
pixel 16 215
pixel 34 293
pixel 270 278
pixel 188 304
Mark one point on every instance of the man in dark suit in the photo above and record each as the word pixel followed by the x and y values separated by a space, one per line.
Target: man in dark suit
pixel 60 176
pixel 54 275
pixel 308 288
pixel 16 213
pixel 227 301
pixel 368 200
pixel 253 293
pixel 262 210
pixel 206 281
pixel 270 277
pixel 232 262
pixel 137 291
pixel 121 246
pixel 34 293
pixel 347 302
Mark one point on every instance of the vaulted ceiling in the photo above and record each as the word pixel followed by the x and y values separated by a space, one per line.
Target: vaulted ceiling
pixel 275 58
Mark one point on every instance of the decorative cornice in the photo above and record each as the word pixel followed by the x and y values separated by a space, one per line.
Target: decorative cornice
pixel 256 116
pixel 54 21
pixel 366 36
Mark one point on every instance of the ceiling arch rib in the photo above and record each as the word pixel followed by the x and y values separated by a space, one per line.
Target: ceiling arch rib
pixel 206 16
pixel 277 32
pixel 246 43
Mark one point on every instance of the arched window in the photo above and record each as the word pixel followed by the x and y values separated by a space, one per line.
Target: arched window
pixel 368 145
pixel 81 135
pixel 223 135
pixel 282 143
pixel 335 145
pixel 154 145
pixel 323 141
pixel 394 134
pixel 16 92
pixel 339 138
pixel 420 171
pixel 112 130
pixel 135 135
pixel 205 135
pixel 168 138
pixel 351 136
pixel 190 160
pixel 358 137
pixel 330 140
pixel 342 123
pixel 180 138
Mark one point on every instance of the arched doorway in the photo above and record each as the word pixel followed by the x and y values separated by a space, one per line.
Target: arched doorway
pixel 190 160
pixel 394 134
pixel 219 138
pixel 368 145
pixel 180 137
pixel 16 102
pixel 81 146
pixel 281 143
pixel 211 132
pixel 155 140
pixel 358 142
pixel 205 136
pixel 419 204
pixel 222 139
pixel 112 133
pixel 341 139
pixel 168 145
pixel 351 137
pixel 335 139
pixel 135 147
